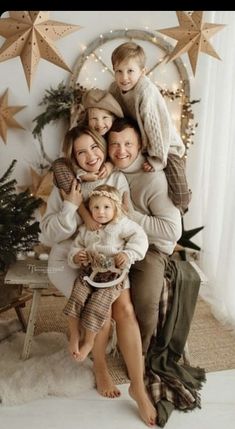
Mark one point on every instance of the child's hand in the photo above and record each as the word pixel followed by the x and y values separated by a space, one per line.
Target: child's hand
pixel 89 177
pixel 75 195
pixel 105 170
pixel 121 260
pixel 81 258
pixel 148 168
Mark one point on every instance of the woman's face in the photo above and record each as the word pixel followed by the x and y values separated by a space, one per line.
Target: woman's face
pixel 88 154
pixel 100 120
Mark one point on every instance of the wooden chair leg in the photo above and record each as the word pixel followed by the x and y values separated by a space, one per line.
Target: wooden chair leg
pixel 21 318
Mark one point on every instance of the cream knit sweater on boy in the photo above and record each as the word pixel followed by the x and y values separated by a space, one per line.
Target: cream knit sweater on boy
pixel 145 104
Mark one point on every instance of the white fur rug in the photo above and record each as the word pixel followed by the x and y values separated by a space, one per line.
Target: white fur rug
pixel 49 371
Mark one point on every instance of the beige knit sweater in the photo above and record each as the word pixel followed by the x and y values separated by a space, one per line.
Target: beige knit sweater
pixel 145 104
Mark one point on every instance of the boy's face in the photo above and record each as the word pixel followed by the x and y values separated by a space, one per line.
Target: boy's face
pixel 123 147
pixel 127 74
pixel 100 120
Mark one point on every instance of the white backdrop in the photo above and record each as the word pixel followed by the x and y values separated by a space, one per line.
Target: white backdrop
pixel 21 144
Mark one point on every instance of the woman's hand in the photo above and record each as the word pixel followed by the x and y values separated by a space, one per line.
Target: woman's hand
pixel 121 260
pixel 91 224
pixel 75 195
pixel 125 202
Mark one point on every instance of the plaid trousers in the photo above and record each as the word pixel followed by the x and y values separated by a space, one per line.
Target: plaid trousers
pixel 91 305
pixel 178 190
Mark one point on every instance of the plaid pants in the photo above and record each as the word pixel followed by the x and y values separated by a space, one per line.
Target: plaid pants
pixel 89 304
pixel 178 190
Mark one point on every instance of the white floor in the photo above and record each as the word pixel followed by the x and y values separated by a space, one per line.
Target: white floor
pixel 90 411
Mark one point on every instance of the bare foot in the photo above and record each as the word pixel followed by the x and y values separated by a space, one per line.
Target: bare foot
pixel 74 346
pixel 146 409
pixel 84 351
pixel 104 382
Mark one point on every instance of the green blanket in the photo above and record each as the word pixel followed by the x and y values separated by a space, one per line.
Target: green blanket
pixel 173 385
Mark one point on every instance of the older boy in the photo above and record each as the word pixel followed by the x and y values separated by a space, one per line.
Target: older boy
pixel 140 99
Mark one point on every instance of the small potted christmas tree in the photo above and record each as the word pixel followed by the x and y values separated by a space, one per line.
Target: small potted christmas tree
pixel 18 229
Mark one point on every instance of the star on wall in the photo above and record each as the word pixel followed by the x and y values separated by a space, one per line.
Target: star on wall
pixel 6 116
pixel 30 35
pixel 41 187
pixel 193 37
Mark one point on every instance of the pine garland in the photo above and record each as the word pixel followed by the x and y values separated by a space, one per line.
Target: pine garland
pixel 58 102
pixel 18 228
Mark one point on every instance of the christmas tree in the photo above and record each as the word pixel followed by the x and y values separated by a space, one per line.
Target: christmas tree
pixel 18 228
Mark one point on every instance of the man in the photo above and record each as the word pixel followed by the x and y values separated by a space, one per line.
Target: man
pixel 156 213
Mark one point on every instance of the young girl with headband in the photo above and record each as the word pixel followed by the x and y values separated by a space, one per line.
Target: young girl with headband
pixel 104 258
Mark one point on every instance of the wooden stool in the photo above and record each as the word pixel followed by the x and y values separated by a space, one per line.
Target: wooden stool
pixel 31 273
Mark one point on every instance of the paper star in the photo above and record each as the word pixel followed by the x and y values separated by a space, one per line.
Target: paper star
pixel 6 116
pixel 185 242
pixel 41 187
pixel 193 37
pixel 30 35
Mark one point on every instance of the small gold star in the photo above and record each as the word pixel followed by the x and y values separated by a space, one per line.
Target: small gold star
pixel 193 37
pixel 6 116
pixel 30 35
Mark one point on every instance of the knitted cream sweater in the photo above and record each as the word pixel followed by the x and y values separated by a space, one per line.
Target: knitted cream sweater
pixel 145 104
pixel 61 218
pixel 123 236
pixel 154 210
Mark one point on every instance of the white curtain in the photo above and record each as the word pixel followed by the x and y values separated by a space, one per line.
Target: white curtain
pixel 213 176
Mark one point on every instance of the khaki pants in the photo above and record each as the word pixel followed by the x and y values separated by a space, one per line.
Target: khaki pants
pixel 146 278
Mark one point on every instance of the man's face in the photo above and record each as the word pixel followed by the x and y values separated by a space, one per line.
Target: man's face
pixel 123 147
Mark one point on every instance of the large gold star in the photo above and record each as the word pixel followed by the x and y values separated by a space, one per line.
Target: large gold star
pixel 41 187
pixel 6 116
pixel 192 36
pixel 30 35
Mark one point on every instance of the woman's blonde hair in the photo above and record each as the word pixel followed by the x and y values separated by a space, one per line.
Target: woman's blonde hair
pixel 75 133
pixel 113 194
pixel 126 51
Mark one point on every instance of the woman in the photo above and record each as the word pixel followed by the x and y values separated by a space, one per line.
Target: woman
pixel 86 149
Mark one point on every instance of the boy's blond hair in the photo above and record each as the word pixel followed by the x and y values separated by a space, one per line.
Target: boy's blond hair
pixel 126 51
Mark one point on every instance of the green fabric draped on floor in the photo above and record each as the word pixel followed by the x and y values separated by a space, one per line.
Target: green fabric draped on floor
pixel 173 385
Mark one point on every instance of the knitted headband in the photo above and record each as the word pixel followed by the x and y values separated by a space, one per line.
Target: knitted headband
pixel 107 194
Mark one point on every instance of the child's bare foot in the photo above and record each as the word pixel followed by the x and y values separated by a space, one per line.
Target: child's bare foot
pixel 74 346
pixel 146 409
pixel 104 382
pixel 84 351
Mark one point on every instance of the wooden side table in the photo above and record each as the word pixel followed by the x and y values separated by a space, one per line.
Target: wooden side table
pixel 31 273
